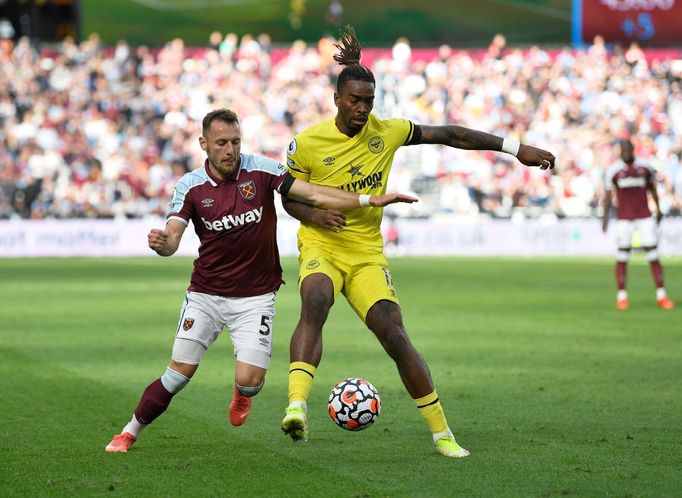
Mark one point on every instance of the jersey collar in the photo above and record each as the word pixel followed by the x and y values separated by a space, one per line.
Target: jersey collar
pixel 357 136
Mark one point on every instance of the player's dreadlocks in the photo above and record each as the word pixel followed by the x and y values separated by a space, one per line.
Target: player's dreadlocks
pixel 349 56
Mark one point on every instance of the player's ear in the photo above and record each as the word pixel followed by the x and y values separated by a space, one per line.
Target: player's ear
pixel 336 99
pixel 202 143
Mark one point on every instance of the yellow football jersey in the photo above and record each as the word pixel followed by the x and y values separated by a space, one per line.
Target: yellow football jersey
pixel 322 155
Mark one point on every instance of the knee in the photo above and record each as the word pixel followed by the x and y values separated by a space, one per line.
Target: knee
pixel 651 253
pixel 315 306
pixel 385 318
pixel 250 371
pixel 176 378
pixel 184 369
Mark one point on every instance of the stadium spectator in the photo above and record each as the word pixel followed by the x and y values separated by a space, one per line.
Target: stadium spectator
pixel 237 273
pixel 355 150
pixel 214 40
pixel 84 100
pixel 632 180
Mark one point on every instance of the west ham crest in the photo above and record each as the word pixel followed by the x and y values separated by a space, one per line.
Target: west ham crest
pixel 248 190
pixel 187 323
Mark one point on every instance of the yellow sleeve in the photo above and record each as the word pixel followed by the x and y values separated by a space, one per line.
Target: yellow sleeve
pixel 296 164
pixel 401 131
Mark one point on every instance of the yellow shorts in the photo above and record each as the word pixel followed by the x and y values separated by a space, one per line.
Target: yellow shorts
pixel 364 279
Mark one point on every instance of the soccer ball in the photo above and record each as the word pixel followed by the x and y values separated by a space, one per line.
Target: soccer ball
pixel 354 404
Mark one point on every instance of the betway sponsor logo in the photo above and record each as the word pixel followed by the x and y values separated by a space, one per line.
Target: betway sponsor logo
pixel 631 182
pixel 230 221
pixel 372 181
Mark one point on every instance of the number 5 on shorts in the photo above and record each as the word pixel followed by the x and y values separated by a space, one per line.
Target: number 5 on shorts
pixel 265 325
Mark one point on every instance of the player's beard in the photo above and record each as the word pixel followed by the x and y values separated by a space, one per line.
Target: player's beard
pixel 225 169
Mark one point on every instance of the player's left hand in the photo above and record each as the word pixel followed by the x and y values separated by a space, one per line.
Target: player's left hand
pixel 659 217
pixel 386 199
pixel 330 219
pixel 532 156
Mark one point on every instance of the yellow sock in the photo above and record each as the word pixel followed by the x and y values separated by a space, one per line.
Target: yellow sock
pixel 430 408
pixel 301 376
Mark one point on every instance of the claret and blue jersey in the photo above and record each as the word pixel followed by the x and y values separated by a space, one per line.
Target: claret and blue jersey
pixel 631 183
pixel 236 217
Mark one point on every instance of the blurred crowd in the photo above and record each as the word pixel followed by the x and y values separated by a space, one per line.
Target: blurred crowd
pixel 104 132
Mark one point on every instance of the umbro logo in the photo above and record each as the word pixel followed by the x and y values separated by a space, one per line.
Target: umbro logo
pixel 207 202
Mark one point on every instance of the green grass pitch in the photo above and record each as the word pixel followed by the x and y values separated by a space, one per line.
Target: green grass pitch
pixel 554 392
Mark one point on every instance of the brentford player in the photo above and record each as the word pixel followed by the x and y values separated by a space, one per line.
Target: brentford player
pixel 354 150
pixel 632 180
pixel 230 202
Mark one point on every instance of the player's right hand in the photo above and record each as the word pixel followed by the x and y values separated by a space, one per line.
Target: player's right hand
pixel 329 218
pixel 532 156
pixel 157 239
pixel 386 199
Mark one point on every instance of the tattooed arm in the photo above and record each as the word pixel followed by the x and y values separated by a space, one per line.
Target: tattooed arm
pixel 466 138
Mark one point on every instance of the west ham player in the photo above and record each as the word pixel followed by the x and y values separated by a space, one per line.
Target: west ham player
pixel 230 202
pixel 631 180
pixel 354 151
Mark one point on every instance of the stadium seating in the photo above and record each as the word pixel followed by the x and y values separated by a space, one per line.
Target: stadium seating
pixel 103 132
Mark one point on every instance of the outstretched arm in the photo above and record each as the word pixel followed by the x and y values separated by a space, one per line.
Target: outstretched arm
pixel 166 242
pixel 306 202
pixel 466 138
pixel 336 198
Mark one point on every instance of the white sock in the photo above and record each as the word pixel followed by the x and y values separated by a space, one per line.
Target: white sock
pixel 300 404
pixel 438 435
pixel 622 294
pixel 134 427
pixel 660 293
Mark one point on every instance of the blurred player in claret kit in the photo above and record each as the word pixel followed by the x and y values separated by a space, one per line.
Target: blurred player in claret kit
pixel 354 151
pixel 230 202
pixel 632 180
